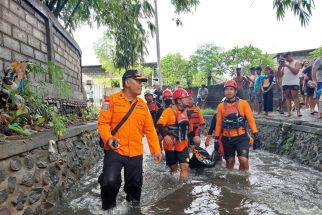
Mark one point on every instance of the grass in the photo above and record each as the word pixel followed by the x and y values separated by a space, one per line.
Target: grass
pixel 208 111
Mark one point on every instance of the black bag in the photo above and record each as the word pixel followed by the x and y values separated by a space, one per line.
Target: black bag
pixel 202 159
pixel 118 126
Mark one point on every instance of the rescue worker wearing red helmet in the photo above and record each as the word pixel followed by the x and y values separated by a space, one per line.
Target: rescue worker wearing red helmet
pixel 197 122
pixel 166 102
pixel 233 117
pixel 152 105
pixel 174 128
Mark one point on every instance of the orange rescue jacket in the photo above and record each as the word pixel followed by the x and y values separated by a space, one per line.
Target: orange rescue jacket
pixel 244 110
pixel 195 116
pixel 131 132
pixel 169 118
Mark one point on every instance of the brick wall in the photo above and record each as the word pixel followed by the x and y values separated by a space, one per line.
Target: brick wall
pixel 29 31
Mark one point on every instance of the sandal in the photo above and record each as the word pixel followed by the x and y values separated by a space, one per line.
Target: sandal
pixel 299 115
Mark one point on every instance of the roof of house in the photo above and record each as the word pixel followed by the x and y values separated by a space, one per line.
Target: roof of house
pixel 297 53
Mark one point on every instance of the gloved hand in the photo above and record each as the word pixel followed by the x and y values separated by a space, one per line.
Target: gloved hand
pixel 219 147
pixel 251 140
pixel 257 142
pixel 207 142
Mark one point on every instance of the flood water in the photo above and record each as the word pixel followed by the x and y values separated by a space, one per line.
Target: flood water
pixel 275 185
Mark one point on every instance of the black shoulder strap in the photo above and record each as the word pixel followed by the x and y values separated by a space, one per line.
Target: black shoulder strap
pixel 175 114
pixel 118 126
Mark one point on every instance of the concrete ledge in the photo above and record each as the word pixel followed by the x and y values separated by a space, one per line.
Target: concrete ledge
pixel 308 128
pixel 14 147
pixel 306 122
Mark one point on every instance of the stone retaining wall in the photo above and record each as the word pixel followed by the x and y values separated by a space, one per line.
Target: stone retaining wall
pixel 29 31
pixel 302 143
pixel 299 141
pixel 33 180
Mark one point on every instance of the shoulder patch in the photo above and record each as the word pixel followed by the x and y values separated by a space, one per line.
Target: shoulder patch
pixel 106 105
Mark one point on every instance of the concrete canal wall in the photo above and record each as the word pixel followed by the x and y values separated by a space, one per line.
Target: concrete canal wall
pixel 34 173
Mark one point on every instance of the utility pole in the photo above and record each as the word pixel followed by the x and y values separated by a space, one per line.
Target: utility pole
pixel 158 43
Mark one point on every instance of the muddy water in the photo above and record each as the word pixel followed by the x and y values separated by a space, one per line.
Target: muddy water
pixel 275 185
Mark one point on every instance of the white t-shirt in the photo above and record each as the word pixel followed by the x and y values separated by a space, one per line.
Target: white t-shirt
pixel 202 93
pixel 290 78
pixel 318 64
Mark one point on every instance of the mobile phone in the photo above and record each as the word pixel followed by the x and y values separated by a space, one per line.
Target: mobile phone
pixel 115 143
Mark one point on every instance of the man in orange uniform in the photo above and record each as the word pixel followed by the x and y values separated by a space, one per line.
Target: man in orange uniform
pixel 152 105
pixel 167 102
pixel 173 125
pixel 197 122
pixel 125 148
pixel 233 115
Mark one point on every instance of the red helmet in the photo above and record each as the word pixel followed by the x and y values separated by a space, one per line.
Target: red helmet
pixel 180 94
pixel 230 83
pixel 166 93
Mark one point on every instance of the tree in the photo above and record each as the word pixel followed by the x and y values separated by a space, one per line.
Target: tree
pixel 175 68
pixel 208 60
pixel 125 20
pixel 246 57
pixel 316 52
pixel 73 13
pixel 105 51
pixel 300 8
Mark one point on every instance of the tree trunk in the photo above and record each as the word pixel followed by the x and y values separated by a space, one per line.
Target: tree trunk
pixel 59 8
pixel 51 5
pixel 209 80
pixel 72 14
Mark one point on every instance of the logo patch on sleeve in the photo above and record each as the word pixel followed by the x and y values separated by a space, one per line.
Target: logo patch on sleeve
pixel 106 105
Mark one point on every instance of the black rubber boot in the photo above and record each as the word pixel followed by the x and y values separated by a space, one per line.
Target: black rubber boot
pixel 108 200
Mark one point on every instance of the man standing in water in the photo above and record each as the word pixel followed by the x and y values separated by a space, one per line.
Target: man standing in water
pixel 232 115
pixel 173 126
pixel 197 122
pixel 123 118
pixel 152 105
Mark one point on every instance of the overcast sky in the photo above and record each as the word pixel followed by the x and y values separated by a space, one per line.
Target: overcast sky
pixel 226 24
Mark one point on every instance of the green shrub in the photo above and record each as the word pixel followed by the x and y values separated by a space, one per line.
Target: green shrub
pixel 208 111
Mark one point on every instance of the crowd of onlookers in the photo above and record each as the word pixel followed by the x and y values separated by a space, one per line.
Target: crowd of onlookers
pixel 297 86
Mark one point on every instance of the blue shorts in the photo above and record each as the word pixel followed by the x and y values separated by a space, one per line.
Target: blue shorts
pixel 199 101
pixel 318 91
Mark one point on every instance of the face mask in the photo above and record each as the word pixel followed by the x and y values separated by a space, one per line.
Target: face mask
pixel 168 102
